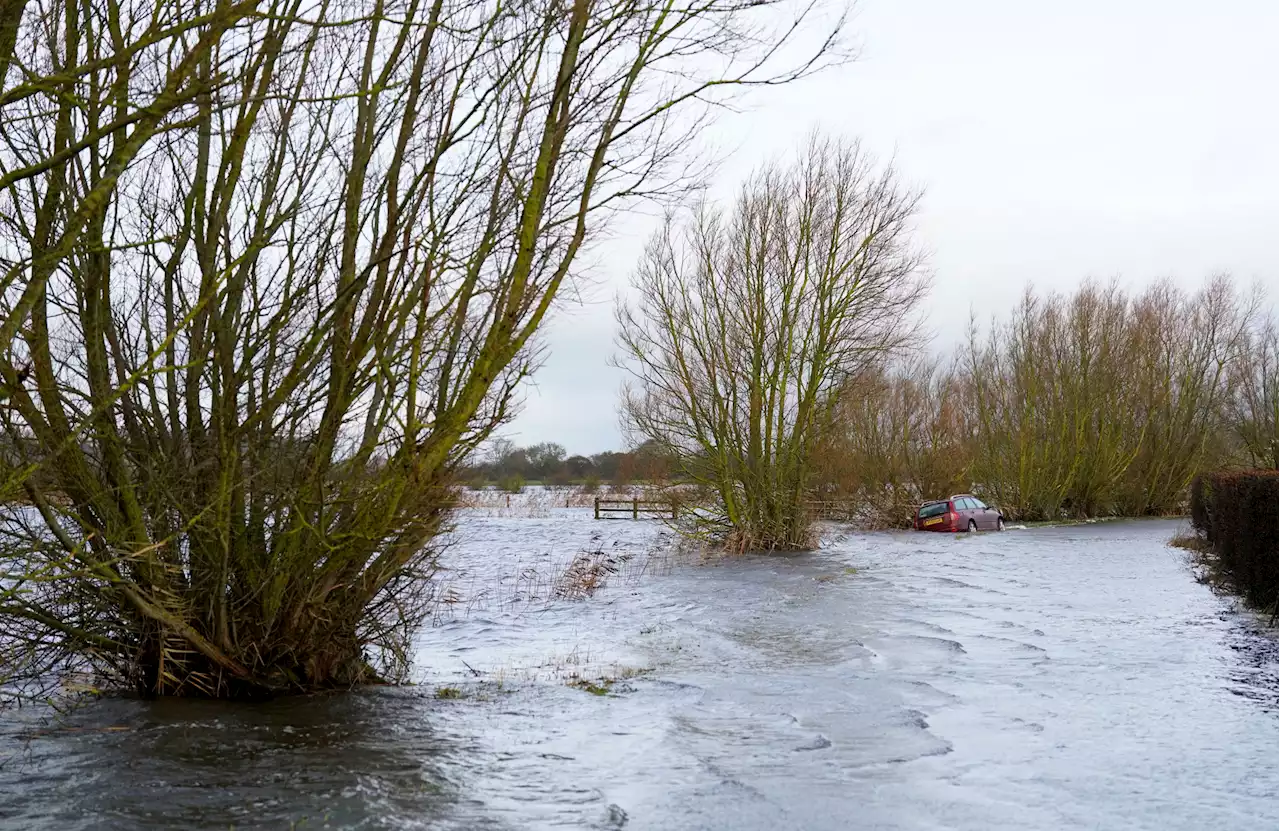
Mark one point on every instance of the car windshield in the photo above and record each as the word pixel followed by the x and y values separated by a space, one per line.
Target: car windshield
pixel 933 509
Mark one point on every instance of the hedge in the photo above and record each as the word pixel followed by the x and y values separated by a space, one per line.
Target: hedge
pixel 1236 513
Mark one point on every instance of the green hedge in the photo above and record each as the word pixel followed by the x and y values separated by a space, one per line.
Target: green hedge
pixel 1236 514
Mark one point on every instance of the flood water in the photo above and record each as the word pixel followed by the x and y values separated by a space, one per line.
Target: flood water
pixel 1063 677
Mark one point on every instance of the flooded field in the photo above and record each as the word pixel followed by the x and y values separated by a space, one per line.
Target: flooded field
pixel 1059 677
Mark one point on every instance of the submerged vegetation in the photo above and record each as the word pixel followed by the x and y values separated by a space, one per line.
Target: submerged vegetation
pixel 775 367
pixel 272 270
pixel 599 687
pixel 1096 403
pixel 272 273
pixel 749 320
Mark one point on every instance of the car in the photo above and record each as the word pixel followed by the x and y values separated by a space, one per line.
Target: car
pixel 962 512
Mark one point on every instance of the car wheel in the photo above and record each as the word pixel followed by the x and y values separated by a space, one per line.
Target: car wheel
pixel 973 526
pixel 1000 523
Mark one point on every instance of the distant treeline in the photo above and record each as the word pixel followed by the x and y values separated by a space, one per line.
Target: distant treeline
pixel 510 467
pixel 1095 403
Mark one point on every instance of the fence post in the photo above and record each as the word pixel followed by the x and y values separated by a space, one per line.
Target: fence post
pixel 597 503
pixel 635 508
pixel 675 506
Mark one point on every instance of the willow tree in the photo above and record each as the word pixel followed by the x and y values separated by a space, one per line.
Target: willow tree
pixel 1100 402
pixel 750 320
pixel 897 437
pixel 1254 408
pixel 273 270
pixel 1051 400
pixel 1189 348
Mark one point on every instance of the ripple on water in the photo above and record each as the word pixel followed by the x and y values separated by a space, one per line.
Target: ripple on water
pixel 1049 678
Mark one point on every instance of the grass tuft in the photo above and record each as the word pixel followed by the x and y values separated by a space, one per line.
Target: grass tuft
pixel 600 687
pixel 1190 542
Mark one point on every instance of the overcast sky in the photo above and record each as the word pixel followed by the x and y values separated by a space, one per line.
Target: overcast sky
pixel 1055 142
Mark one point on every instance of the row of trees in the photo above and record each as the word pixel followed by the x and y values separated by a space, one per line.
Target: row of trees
pixel 1097 402
pixel 774 353
pixel 509 466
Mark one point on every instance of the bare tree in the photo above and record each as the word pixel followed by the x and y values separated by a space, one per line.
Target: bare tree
pixel 897 437
pixel 1100 402
pixel 97 82
pixel 1187 352
pixel 1256 401
pixel 750 321
pixel 263 334
pixel 1050 403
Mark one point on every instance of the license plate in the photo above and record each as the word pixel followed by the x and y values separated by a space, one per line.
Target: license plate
pixel 935 521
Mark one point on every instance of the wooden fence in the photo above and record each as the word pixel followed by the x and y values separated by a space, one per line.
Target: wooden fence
pixel 839 510
pixel 634 508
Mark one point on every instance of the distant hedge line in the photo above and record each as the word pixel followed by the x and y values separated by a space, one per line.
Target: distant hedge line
pixel 1235 513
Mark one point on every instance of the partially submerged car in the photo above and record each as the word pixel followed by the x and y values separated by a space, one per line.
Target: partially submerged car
pixel 961 513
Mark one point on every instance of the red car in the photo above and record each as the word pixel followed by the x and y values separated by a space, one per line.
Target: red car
pixel 963 512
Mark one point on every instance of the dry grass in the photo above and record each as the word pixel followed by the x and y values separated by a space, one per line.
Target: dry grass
pixel 609 682
pixel 1190 541
pixel 530 504
pixel 1203 564
pixel 579 577
pixel 537 588
pixel 587 573
pixel 580 662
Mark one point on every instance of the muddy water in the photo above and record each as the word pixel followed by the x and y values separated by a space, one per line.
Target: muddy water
pixel 1069 677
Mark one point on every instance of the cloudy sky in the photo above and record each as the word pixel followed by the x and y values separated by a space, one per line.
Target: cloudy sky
pixel 1055 142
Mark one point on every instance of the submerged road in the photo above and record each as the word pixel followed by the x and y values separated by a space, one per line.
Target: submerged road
pixel 1061 677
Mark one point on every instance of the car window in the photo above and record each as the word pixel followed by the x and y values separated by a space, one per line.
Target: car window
pixel 978 504
pixel 933 509
pixel 964 504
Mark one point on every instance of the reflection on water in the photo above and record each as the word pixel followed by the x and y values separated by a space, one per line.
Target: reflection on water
pixel 1049 678
pixel 368 760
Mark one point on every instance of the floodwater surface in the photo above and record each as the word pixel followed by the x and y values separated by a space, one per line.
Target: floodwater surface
pixel 1058 677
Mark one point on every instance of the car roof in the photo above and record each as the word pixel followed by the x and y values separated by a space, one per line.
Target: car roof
pixel 947 499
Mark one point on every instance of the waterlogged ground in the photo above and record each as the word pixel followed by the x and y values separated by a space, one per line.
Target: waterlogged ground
pixel 1066 677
